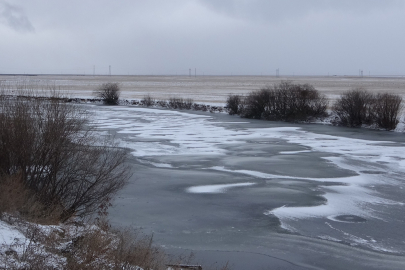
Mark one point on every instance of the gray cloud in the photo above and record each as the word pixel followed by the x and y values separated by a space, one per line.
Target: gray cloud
pixel 14 17
pixel 279 10
pixel 311 37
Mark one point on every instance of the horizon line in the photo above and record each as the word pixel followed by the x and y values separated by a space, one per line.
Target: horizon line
pixel 193 76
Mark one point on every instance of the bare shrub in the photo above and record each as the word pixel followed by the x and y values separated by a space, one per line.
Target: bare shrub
pixel 148 101
pixel 162 103
pixel 175 103
pixel 58 157
pixel 306 102
pixel 385 110
pixel 109 93
pixel 180 103
pixel 188 103
pixel 354 108
pixel 233 103
pixel 285 101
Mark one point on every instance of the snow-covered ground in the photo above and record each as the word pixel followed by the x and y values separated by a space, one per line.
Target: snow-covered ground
pixel 27 245
pixel 21 244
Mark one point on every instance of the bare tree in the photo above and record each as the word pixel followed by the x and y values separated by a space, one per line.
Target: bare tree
pixel 58 155
pixel 109 93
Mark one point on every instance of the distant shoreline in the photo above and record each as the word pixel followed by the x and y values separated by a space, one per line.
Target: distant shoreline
pixel 208 75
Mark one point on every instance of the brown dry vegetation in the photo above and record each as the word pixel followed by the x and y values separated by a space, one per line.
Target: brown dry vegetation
pixel 49 146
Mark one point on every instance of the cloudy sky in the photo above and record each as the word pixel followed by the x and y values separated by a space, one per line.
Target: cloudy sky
pixel 215 37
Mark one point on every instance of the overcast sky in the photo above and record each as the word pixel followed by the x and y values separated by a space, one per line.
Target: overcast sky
pixel 217 37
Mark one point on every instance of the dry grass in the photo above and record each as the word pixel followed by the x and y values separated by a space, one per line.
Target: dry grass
pixel 114 249
pixel 16 198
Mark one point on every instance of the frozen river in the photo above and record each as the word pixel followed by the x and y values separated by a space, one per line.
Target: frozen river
pixel 262 195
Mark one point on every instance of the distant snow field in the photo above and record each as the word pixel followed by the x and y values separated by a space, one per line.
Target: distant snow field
pixel 205 89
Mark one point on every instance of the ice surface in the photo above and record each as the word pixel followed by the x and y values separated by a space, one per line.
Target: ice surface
pixel 165 132
pixel 157 133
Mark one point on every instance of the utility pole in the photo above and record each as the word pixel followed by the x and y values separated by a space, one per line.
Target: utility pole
pixel 189 72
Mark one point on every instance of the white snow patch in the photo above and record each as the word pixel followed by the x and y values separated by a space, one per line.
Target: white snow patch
pixel 156 164
pixel 216 188
pixel 294 152
pixel 11 237
pixel 329 238
pixel 356 240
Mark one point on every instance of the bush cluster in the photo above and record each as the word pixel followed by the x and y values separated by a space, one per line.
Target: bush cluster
pixel 301 102
pixel 48 147
pixel 180 103
pixel 285 101
pixel 358 107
